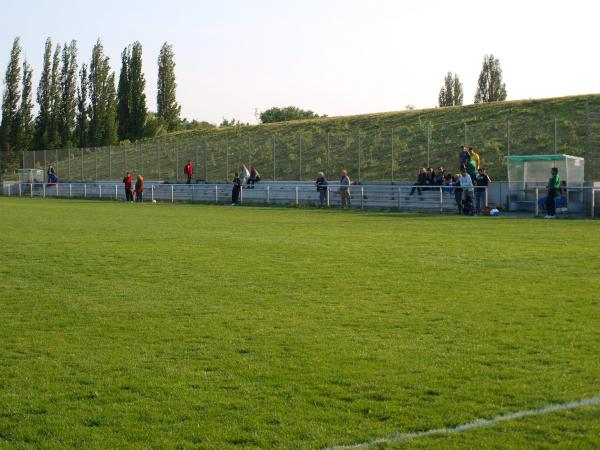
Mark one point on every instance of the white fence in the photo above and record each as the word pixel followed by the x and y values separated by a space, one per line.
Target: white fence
pixel 581 201
pixel 429 199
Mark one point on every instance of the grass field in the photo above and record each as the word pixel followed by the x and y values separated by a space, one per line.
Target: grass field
pixel 186 326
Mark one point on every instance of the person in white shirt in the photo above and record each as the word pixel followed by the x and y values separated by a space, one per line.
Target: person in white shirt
pixel 466 183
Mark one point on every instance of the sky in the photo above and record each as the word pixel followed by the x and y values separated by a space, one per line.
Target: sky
pixel 335 57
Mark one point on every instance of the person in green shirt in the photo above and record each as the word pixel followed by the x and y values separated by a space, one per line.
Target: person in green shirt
pixel 553 188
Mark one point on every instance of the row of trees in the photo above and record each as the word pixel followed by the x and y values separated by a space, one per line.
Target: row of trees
pixel 490 86
pixel 81 108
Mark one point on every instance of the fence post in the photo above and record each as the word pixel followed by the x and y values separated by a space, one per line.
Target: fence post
pixel 100 191
pixel 328 193
pixel 362 197
pixel 241 194
pixel 44 190
pixel 70 190
pixel 327 156
pixel 85 190
pixel 273 157
pixel 486 196
pixel 441 200
pixel 172 195
pixel 399 195
pixel 300 150
pixel 268 194
pixel 20 190
pixel 593 203
pixel 57 189
pixel 216 193
pixel 116 192
pixel 555 135
pixel 508 137
pixel 296 195
pixel 31 190
pixel 537 207
pixel 359 154
pixel 204 160
pixel 392 154
pixel 152 193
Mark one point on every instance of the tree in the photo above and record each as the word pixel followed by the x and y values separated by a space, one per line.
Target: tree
pixel 55 101
pixel 82 121
pixel 451 93
pixel 42 122
pixel 167 108
pixel 490 87
pixel 276 114
pixel 68 101
pixel 137 85
pixel 103 103
pixel 9 126
pixel 124 96
pixel 26 125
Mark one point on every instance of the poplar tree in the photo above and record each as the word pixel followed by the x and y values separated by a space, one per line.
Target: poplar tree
pixel 82 122
pixel 490 87
pixel 167 108
pixel 55 100
pixel 26 124
pixel 451 93
pixel 9 126
pixel 137 85
pixel 103 114
pixel 68 102
pixel 42 121
pixel 124 96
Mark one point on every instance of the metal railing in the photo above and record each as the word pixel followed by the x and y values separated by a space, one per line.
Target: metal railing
pixel 391 197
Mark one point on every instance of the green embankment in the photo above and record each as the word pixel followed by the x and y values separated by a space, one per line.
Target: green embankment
pixel 373 147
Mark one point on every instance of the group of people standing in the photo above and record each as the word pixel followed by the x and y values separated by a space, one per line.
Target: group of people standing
pixel 134 192
pixel 245 176
pixel 472 178
pixel 322 188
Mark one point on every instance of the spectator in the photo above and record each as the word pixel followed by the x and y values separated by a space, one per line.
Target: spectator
pixel 188 171
pixel 321 184
pixel 473 156
pixel 421 181
pixel 139 189
pixel 483 182
pixel 463 157
pixel 237 187
pixel 51 175
pixel 430 177
pixel 553 188
pixel 345 189
pixel 466 184
pixel 439 176
pixel 447 181
pixel 244 174
pixel 127 184
pixel 254 177
pixel 472 169
pixel 457 193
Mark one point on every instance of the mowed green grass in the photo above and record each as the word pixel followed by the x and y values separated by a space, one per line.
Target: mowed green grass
pixel 190 326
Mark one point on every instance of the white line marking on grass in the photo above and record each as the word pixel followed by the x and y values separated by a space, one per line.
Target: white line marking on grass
pixel 479 423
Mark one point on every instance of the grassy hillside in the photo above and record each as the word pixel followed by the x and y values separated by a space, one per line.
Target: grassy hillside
pixel 373 147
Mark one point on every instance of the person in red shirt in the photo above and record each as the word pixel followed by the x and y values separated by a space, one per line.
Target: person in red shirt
pixel 188 171
pixel 127 182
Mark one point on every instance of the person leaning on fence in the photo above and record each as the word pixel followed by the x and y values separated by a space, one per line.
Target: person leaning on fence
pixel 237 187
pixel 421 181
pixel 466 184
pixel 553 188
pixel 483 182
pixel 139 189
pixel 188 171
pixel 244 174
pixel 345 189
pixel 254 177
pixel 127 184
pixel 321 184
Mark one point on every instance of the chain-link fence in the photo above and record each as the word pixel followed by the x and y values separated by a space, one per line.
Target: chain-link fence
pixel 382 148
